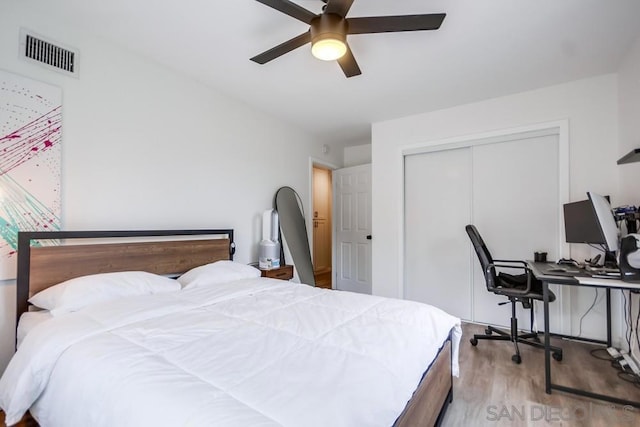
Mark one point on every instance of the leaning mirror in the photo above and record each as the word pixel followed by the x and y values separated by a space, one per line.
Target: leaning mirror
pixel 294 231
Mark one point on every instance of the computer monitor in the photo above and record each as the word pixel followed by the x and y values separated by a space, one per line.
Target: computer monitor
pixel 605 219
pixel 581 224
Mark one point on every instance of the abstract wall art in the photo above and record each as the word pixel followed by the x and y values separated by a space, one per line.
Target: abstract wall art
pixel 30 155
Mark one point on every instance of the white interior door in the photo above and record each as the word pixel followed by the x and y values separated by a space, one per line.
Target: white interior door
pixel 352 218
pixel 437 207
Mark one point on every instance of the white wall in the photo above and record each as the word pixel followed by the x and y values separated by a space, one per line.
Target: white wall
pixel 145 148
pixel 357 155
pixel 590 106
pixel 629 105
pixel 629 114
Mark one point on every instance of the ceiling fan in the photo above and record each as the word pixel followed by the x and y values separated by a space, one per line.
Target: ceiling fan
pixel 328 31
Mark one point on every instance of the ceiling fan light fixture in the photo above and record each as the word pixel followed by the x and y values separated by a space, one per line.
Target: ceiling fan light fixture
pixel 328 37
pixel 329 48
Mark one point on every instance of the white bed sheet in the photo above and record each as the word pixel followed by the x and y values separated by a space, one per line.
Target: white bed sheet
pixel 28 321
pixel 257 352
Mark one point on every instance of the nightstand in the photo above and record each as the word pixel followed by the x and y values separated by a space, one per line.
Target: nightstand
pixel 285 272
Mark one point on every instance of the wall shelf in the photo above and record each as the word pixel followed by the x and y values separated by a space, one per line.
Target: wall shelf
pixel 632 156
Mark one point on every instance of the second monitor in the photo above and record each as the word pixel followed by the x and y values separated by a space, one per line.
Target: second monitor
pixel 591 222
pixel 581 224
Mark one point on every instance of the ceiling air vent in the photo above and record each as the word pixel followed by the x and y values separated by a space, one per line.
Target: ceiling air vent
pixel 36 48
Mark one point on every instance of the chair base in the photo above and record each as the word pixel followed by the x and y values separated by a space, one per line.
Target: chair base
pixel 529 338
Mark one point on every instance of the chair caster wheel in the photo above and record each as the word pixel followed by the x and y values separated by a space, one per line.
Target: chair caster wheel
pixel 473 341
pixel 488 331
pixel 557 356
pixel 516 359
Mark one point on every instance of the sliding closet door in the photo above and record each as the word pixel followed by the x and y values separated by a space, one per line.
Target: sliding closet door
pixel 515 208
pixel 509 188
pixel 437 207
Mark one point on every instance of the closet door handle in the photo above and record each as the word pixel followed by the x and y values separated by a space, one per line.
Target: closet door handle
pixel 369 237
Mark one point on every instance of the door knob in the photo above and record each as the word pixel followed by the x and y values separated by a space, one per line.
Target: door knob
pixel 369 237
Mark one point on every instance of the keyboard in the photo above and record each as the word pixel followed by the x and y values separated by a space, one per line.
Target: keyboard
pixel 596 273
pixel 603 272
pixel 607 276
pixel 563 271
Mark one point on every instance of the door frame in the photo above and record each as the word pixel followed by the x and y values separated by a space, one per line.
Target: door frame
pixel 559 127
pixel 314 161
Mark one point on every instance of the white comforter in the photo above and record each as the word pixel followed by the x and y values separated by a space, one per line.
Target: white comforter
pixel 256 352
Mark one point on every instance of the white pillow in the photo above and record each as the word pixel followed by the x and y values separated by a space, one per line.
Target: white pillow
pixel 74 294
pixel 216 273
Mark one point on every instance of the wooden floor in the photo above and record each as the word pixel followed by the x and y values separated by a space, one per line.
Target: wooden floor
pixel 26 421
pixel 494 391
pixel 323 279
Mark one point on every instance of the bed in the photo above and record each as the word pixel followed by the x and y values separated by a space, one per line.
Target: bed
pixel 220 350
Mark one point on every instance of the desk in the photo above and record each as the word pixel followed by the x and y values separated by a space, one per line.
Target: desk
pixel 582 278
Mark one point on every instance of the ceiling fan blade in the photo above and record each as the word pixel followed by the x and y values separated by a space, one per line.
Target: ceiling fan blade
pixel 283 48
pixel 348 64
pixel 338 7
pixel 289 8
pixel 391 24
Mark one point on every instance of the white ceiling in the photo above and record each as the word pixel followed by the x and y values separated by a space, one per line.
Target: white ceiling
pixel 484 49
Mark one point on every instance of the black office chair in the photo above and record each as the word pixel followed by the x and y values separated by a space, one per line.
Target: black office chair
pixel 521 288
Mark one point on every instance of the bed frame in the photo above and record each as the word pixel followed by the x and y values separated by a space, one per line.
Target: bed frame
pixel 430 401
pixel 173 252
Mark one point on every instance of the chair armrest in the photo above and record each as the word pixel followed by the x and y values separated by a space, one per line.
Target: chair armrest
pixel 524 267
pixel 513 261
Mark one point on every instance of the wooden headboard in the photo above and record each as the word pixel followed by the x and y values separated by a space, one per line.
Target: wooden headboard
pixel 79 253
